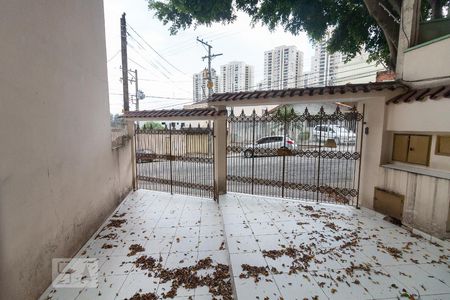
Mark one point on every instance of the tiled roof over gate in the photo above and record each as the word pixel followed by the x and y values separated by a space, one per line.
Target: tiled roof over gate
pixel 434 93
pixel 312 91
pixel 172 113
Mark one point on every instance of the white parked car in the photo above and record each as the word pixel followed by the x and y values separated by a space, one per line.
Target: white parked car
pixel 339 134
pixel 269 143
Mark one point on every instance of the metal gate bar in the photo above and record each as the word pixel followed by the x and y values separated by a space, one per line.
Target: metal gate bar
pixel 176 160
pixel 304 161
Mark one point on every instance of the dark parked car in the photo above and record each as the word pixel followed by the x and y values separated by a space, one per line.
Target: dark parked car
pixel 144 156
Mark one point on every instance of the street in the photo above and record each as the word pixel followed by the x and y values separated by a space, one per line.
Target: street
pixel 268 174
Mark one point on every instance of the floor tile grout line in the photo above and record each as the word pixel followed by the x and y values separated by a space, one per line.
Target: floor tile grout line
pixel 174 237
pixel 265 260
pixel 227 249
pixel 128 275
pixel 100 229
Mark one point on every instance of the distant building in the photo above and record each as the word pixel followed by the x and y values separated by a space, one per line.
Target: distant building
pixel 323 66
pixel 236 76
pixel 200 85
pixel 356 70
pixel 283 68
pixel 306 79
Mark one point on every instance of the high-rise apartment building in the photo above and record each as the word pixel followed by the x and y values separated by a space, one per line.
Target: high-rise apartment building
pixel 283 68
pixel 323 66
pixel 236 76
pixel 200 84
pixel 357 70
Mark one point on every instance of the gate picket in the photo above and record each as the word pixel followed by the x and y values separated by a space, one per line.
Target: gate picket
pixel 179 161
pixel 298 156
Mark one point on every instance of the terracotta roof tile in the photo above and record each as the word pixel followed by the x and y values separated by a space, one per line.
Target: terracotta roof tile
pixel 311 91
pixel 196 112
pixel 434 93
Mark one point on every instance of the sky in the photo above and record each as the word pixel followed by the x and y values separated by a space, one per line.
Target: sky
pixel 170 74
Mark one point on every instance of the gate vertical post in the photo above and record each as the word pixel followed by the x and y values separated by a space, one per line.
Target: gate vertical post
pixel 170 158
pixel 285 120
pixel 132 134
pixel 321 114
pixel 254 148
pixel 361 125
pixel 220 153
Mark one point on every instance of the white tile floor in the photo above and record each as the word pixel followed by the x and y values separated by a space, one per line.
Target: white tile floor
pixel 355 254
pixel 166 226
pixel 322 251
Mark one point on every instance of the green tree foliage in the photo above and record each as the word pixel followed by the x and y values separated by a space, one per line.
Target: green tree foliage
pixel 357 24
pixel 153 125
pixel 285 112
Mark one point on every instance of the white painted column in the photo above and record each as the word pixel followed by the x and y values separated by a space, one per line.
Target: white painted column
pixel 372 148
pixel 220 154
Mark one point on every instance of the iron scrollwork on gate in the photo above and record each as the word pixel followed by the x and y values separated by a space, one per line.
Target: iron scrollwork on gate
pixel 304 155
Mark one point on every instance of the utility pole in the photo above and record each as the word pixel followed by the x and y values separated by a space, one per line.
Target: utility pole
pixel 123 34
pixel 137 90
pixel 209 57
pixel 139 95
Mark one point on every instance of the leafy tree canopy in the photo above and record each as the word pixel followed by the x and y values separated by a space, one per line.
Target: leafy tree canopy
pixel 356 24
pixel 152 125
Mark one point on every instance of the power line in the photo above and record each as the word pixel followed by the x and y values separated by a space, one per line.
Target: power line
pixel 134 39
pixel 353 77
pixel 189 40
pixel 156 64
pixel 156 61
pixel 150 63
pixel 173 105
pixel 114 56
pixel 173 81
pixel 209 57
pixel 155 67
pixel 350 77
pixel 171 98
pixel 356 76
pixel 157 97
pixel 162 57
pixel 175 51
pixel 292 78
pixel 138 64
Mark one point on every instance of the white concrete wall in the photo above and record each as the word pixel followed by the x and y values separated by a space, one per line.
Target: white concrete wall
pixel 427 61
pixel 427 199
pixel 357 70
pixel 372 149
pixel 427 117
pixel 59 178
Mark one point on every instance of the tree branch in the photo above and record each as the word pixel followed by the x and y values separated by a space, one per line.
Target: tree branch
pixel 396 6
pixel 387 24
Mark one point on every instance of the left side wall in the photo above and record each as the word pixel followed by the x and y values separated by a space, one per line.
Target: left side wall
pixel 59 177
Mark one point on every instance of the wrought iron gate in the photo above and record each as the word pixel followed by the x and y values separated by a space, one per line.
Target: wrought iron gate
pixel 300 156
pixel 179 161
